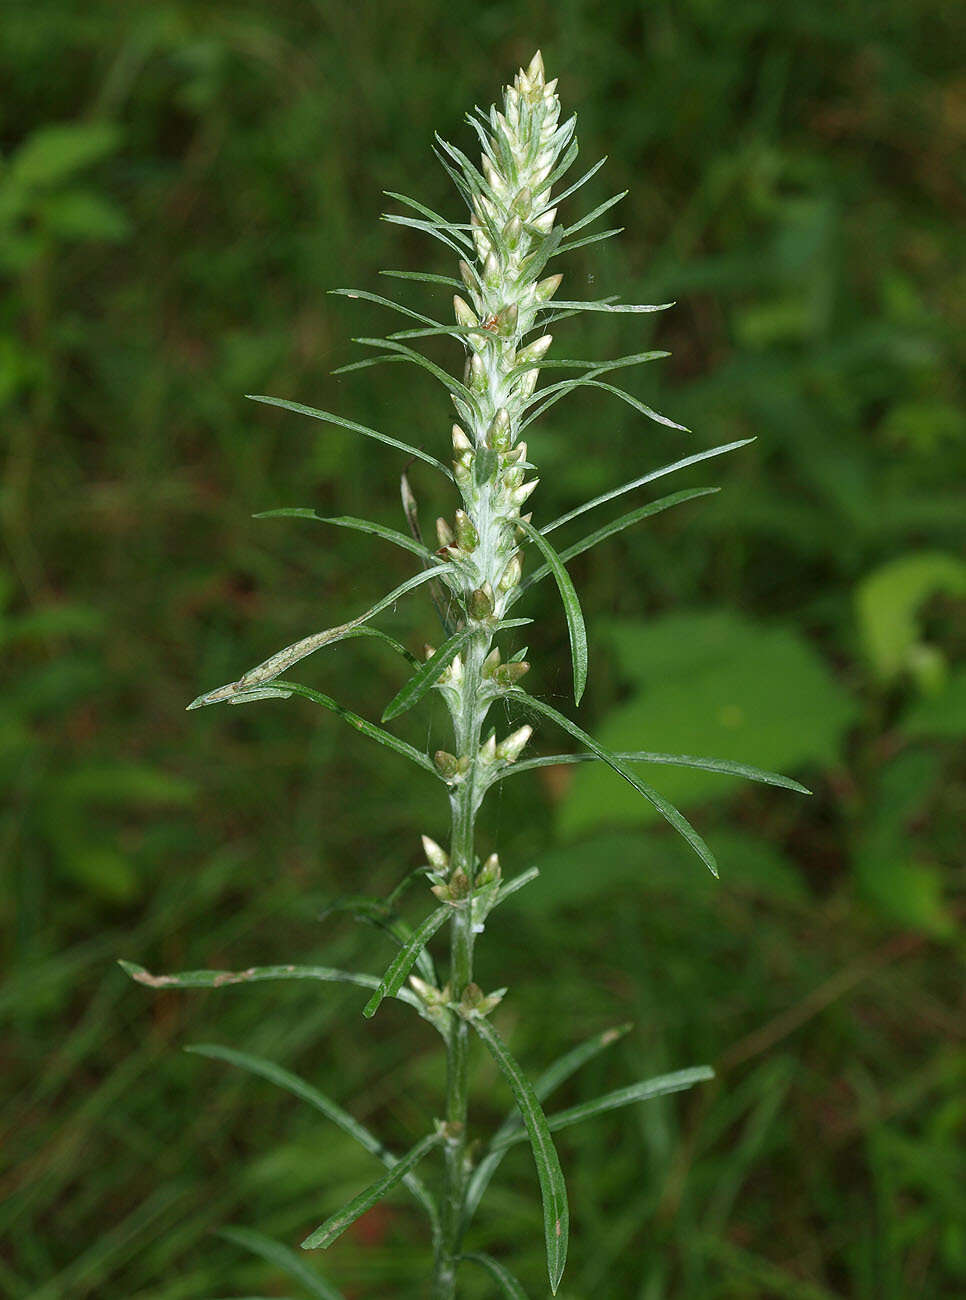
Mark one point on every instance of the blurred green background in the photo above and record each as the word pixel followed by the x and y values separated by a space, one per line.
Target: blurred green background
pixel 180 186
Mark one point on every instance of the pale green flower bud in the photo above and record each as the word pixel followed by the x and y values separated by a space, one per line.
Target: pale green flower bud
pixel 545 290
pixel 466 534
pixel 498 434
pixel 437 857
pixel 511 748
pixel 535 350
pixel 512 574
pixel 480 603
pixel 464 313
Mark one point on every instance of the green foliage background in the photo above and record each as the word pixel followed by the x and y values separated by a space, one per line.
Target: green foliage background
pixel 180 184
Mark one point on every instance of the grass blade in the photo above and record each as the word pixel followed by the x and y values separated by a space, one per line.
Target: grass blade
pixel 283 1078
pixel 640 482
pixel 571 604
pixel 337 1223
pixel 427 675
pixel 556 1216
pixel 328 418
pixel 666 809
pixel 287 1260
pixel 660 1086
pixel 348 521
pixel 391 983
pixel 723 765
pixel 508 1283
pixel 615 526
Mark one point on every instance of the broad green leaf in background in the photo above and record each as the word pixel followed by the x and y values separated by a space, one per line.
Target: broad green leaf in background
pixel 650 862
pixel 942 714
pixel 901 885
pixel 710 684
pixel 888 601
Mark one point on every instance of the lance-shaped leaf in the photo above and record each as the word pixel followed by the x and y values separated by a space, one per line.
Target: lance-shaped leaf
pixel 427 675
pixel 508 1283
pixel 216 979
pixel 572 189
pixel 363 726
pixel 328 418
pixel 409 354
pixel 601 305
pixel 640 482
pixel 586 381
pixel 723 765
pixel 518 882
pixel 427 227
pixel 287 1260
pixel 449 280
pixel 608 530
pixel 398 970
pixel 556 1215
pixel 290 1082
pixel 380 913
pixel 385 302
pixel 348 521
pixel 679 1081
pixel 420 207
pixel 590 239
pixel 597 212
pixel 337 1223
pixel 666 809
pixel 556 1074
pixel 265 673
pixel 575 619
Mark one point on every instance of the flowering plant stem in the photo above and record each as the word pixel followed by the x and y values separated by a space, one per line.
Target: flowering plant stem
pixel 475 576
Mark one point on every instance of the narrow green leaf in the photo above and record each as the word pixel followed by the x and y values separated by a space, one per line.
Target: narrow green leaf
pixel 679 1081
pixel 287 1260
pixel 645 478
pixel 362 725
pixel 585 381
pixel 597 367
pixel 427 675
pixel 328 418
pixel 422 208
pixel 266 673
pixel 348 521
pixel 597 212
pixel 615 526
pixel 290 1082
pixel 723 765
pixel 614 306
pixel 556 1216
pixel 399 968
pixel 571 604
pixel 216 979
pixel 666 809
pixel 555 1075
pixel 337 1223
pixel 565 194
pixel 459 248
pixel 518 882
pixel 384 302
pixel 508 1283
pixel 380 913
pixel 449 280
pixel 590 239
pixel 449 383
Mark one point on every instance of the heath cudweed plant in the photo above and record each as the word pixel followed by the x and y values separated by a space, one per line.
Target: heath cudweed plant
pixel 477 574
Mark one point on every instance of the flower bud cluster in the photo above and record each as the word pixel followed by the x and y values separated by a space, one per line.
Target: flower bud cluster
pixel 513 235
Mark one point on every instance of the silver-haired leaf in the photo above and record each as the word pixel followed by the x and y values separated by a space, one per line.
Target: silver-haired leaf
pixel 427 675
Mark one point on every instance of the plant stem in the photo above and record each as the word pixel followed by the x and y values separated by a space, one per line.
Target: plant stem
pixel 468 723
